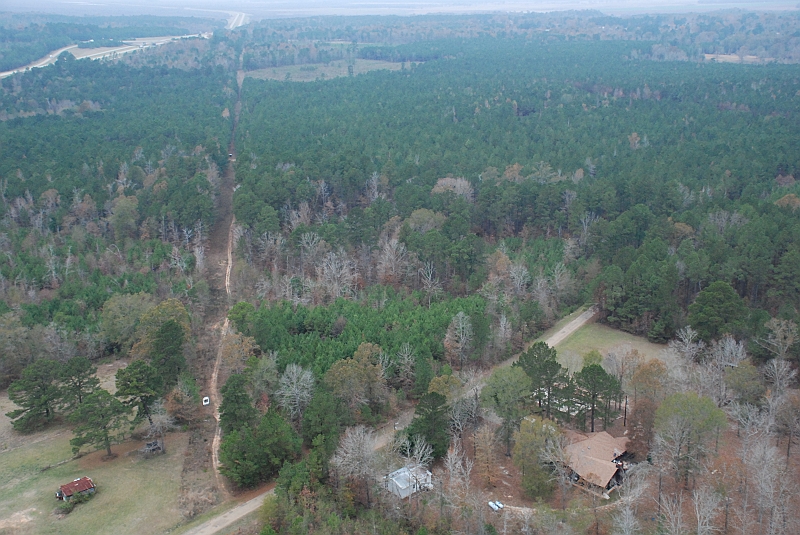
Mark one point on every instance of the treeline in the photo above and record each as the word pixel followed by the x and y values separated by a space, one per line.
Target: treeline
pixel 261 55
pixel 770 36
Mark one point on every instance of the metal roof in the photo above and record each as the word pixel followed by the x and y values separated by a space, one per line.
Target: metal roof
pixel 79 485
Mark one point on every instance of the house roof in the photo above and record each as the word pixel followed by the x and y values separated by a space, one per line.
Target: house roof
pixel 599 445
pixel 593 470
pixel 79 485
pixel 592 458
pixel 404 477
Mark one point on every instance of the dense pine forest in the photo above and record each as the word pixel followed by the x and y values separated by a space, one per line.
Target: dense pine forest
pixel 655 179
pixel 401 234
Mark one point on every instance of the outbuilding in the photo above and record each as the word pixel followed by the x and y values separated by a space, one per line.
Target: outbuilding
pixel 82 485
pixel 408 480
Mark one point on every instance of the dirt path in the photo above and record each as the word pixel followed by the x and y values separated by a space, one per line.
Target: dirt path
pixel 215 525
pixel 384 434
pixel 220 266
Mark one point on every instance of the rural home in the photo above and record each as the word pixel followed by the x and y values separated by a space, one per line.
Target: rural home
pixel 83 485
pixel 408 480
pixel 595 460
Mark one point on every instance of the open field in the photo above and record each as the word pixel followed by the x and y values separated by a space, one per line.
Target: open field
pixel 321 71
pixel 135 495
pixel 602 338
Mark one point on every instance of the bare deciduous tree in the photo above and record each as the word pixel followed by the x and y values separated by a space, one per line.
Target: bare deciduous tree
pixel 503 331
pixel 459 186
pixel 392 261
pixel 555 454
pixel 270 246
pixel 625 521
pixel 405 363
pixel 561 281
pixel 722 355
pixel 457 492
pixel 686 344
pixel 463 413
pixel 416 452
pixel 787 420
pixel 458 339
pixel 774 490
pixel 199 251
pixel 587 220
pixel 543 294
pixel 781 337
pixel 706 506
pixel 753 425
pixel 177 260
pixel 457 465
pixel 672 521
pixel 780 375
pixel 337 274
pixel 520 277
pixel 372 189
pixel 430 282
pixel 57 343
pixel 355 457
pixel 723 220
pixel 309 244
pixel 295 390
pixel 622 362
pixel 160 423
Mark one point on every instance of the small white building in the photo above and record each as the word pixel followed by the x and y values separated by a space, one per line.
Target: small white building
pixel 408 480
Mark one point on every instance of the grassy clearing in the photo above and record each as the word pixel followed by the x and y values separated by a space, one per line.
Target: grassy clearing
pixel 135 495
pixel 9 439
pixel 321 71
pixel 602 338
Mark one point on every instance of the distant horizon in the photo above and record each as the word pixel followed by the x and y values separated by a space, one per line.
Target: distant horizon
pixel 275 9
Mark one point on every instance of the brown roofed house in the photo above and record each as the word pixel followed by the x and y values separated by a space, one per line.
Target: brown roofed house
pixel 83 485
pixel 596 459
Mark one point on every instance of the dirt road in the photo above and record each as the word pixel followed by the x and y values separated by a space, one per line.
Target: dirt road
pixel 218 524
pixel 571 327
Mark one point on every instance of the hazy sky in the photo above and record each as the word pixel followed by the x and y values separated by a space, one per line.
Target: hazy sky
pixel 286 8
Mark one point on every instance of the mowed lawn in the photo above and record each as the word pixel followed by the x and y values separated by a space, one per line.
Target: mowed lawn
pixel 604 339
pixel 135 495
